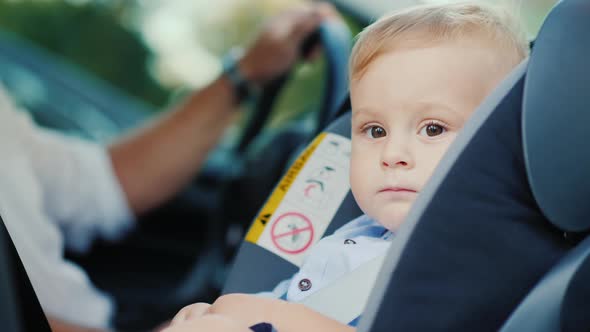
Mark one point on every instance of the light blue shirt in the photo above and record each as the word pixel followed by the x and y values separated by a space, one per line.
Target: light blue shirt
pixel 352 245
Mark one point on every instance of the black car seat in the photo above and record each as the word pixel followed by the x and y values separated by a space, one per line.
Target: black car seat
pixel 506 205
pixel 558 168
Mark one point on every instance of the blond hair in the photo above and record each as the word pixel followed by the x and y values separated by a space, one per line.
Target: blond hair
pixel 439 22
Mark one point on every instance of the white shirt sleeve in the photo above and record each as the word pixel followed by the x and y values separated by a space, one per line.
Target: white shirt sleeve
pixel 54 191
pixel 79 189
pixel 63 289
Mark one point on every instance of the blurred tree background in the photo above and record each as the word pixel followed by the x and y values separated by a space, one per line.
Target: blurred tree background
pixel 115 41
pixel 91 35
pixel 152 48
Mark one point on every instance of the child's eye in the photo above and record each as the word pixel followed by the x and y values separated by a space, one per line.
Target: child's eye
pixel 375 132
pixel 433 129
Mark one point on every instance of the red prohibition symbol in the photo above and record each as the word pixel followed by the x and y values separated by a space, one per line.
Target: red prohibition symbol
pixel 292 233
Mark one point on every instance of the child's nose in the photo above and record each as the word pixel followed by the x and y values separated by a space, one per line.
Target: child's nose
pixel 396 154
pixel 401 163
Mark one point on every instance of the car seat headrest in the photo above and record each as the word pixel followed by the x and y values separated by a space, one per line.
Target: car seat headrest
pixel 556 111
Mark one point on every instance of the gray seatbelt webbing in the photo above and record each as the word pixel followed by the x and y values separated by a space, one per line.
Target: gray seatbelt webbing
pixel 345 299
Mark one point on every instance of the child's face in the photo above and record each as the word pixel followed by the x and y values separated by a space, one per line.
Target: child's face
pixel 406 110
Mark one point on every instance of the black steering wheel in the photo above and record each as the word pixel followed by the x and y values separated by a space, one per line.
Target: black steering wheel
pixel 335 38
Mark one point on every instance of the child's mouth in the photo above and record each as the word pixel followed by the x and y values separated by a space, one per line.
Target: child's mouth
pixel 397 189
pixel 398 193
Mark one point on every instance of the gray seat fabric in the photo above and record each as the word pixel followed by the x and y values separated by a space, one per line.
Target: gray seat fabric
pixel 560 301
pixel 554 132
pixel 556 109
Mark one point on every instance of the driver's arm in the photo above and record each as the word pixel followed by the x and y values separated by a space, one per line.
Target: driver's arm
pixel 156 161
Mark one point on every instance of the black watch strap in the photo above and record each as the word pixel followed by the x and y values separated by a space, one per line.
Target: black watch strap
pixel 231 71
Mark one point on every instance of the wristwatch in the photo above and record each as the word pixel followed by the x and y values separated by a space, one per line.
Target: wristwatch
pixel 243 89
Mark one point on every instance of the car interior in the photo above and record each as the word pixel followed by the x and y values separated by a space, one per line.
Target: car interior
pixel 528 127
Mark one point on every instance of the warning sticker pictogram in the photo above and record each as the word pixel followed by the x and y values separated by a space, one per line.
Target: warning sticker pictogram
pixel 292 233
pixel 306 199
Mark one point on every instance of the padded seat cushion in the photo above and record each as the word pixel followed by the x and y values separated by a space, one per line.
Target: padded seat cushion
pixel 479 242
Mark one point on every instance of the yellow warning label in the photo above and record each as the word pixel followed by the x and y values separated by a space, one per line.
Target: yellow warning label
pixel 278 194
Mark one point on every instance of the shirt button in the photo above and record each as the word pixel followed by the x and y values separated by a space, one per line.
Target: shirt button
pixel 304 285
pixel 349 241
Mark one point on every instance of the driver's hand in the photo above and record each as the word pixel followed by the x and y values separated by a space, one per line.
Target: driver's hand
pixel 278 45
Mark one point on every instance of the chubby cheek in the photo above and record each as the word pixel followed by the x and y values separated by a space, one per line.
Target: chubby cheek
pixel 393 215
pixel 360 181
pixel 431 158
